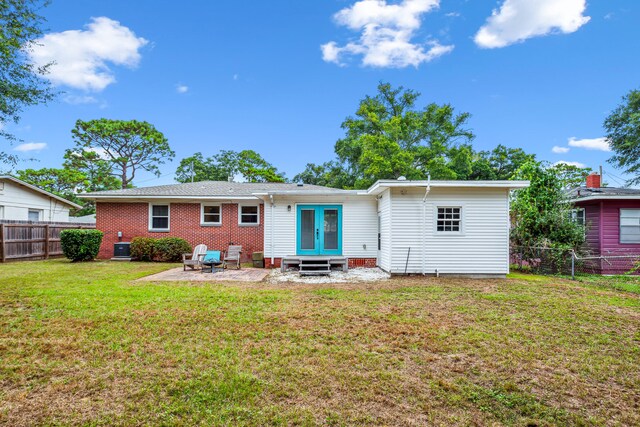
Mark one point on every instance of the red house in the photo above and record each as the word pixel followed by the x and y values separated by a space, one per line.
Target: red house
pixel 612 219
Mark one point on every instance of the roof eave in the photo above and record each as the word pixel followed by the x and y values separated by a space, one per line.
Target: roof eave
pixel 41 191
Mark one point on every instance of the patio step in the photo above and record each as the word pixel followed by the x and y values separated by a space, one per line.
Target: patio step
pixel 315 267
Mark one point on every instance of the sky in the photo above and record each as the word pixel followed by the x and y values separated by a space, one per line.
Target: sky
pixel 279 77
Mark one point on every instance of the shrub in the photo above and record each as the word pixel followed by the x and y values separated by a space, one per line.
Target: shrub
pixel 81 245
pixel 142 248
pixel 170 249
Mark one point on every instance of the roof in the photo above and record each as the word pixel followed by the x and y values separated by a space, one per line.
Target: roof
pixel 210 189
pixel 40 190
pixel 381 185
pixel 584 193
pixel 249 190
pixel 88 219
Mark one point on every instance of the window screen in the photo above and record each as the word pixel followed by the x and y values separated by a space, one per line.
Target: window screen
pixel 449 219
pixel 211 215
pixel 248 215
pixel 160 217
pixel 629 225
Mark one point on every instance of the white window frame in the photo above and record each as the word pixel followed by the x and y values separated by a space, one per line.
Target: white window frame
pixel 620 227
pixel 210 223
pixel 160 230
pixel 461 220
pixel 573 214
pixel 1 211
pixel 39 211
pixel 250 224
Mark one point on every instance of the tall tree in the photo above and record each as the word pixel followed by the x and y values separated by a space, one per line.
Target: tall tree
pixel 622 128
pixel 228 163
pixel 21 82
pixel 128 146
pixel 389 138
pixel 570 176
pixel 501 163
pixel 98 171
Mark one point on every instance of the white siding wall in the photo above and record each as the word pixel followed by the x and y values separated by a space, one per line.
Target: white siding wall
pixel 481 248
pixel 17 200
pixel 359 225
pixel 384 210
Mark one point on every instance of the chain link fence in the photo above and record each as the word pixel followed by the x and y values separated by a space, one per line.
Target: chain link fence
pixel 570 263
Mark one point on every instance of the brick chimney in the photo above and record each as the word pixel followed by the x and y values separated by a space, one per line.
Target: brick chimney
pixel 593 180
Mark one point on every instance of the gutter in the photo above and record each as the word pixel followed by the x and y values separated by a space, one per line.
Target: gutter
pixel 272 226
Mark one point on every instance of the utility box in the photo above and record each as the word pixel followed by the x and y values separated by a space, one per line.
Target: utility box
pixel 122 250
pixel 258 259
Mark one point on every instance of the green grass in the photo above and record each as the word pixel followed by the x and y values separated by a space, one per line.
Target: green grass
pixel 86 344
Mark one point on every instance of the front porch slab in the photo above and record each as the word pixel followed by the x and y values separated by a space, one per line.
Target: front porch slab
pixel 178 275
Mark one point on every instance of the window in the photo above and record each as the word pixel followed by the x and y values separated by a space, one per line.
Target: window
pixel 577 215
pixel 211 215
pixel 449 219
pixel 629 225
pixel 34 214
pixel 159 217
pixel 1 212
pixel 249 215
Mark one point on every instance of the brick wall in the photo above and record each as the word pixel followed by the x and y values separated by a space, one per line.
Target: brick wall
pixel 353 262
pixel 132 219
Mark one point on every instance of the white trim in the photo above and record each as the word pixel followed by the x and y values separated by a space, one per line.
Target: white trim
pixel 160 230
pixel 209 224
pixel 600 197
pixel 380 185
pixel 460 232
pixel 40 213
pixel 620 226
pixel 250 224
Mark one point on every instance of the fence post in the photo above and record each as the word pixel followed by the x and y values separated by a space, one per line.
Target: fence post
pixel 2 242
pixel 46 241
pixel 573 265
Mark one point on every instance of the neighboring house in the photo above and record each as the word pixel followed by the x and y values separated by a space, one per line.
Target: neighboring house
pixel 85 219
pixel 425 227
pixel 25 202
pixel 612 219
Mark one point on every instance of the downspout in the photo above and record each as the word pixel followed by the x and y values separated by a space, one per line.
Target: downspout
pixel 424 225
pixel 272 225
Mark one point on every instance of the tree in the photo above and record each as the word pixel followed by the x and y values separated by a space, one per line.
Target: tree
pixel 622 128
pixel 127 145
pixel 97 171
pixel 228 163
pixel 329 174
pixel 61 182
pixel 540 213
pixel 21 82
pixel 570 176
pixel 389 138
pixel 501 163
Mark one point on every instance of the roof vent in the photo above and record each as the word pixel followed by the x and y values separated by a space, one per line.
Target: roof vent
pixel 300 184
pixel 402 178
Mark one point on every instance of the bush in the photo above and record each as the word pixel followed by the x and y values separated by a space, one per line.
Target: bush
pixel 170 249
pixel 80 245
pixel 142 248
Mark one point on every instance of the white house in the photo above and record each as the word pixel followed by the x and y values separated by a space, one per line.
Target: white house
pixel 418 227
pixel 22 201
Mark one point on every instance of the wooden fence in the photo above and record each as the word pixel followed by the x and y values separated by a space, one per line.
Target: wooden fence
pixel 32 240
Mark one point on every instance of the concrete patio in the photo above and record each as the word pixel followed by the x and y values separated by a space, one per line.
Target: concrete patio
pixel 178 275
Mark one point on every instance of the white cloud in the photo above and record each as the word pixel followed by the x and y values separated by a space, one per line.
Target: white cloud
pixel 31 146
pixel 82 57
pixel 565 162
pixel 236 76
pixel 518 20
pixel 386 31
pixel 598 144
pixel 560 150
pixel 79 99
pixel 452 14
pixel 182 88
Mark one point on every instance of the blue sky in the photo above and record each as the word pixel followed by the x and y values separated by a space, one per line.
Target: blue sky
pixel 279 77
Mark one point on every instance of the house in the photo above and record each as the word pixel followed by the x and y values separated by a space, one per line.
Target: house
pixel 25 202
pixel 424 227
pixel 612 219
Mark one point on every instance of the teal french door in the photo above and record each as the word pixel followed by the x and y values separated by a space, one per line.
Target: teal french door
pixel 319 230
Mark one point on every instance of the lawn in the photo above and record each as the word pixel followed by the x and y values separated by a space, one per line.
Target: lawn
pixel 85 344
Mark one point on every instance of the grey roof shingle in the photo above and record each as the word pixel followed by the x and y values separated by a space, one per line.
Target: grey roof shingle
pixel 612 192
pixel 211 189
